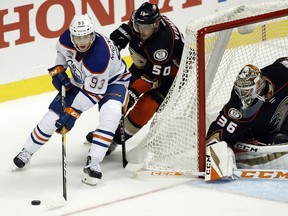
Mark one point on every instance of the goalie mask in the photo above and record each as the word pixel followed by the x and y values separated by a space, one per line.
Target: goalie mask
pixel 146 19
pixel 249 84
pixel 82 32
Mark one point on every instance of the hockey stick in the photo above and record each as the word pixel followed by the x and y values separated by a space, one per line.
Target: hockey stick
pixel 57 202
pixel 264 174
pixel 128 166
pixel 63 100
pixel 260 174
pixel 167 173
pixel 123 143
pixel 283 147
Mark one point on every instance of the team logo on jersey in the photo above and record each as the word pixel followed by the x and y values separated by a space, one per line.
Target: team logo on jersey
pixel 160 55
pixel 234 114
pixel 76 73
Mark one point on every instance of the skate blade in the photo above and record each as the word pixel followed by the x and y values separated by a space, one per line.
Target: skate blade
pixel 90 180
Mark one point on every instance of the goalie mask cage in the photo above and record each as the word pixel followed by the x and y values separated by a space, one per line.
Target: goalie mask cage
pixel 216 48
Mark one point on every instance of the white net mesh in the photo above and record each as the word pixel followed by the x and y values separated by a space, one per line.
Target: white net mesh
pixel 172 143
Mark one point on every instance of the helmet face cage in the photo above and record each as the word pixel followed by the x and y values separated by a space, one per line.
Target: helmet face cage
pixel 82 28
pixel 147 15
pixel 248 84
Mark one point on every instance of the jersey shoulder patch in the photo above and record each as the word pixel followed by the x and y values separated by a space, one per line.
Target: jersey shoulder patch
pixel 160 55
pixel 234 114
pixel 160 47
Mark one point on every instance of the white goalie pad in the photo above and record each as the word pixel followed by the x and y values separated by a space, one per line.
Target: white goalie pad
pixel 220 161
pixel 249 156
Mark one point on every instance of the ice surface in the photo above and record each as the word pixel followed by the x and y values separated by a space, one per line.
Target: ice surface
pixel 118 193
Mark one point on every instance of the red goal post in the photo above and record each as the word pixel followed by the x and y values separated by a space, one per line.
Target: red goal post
pixel 216 48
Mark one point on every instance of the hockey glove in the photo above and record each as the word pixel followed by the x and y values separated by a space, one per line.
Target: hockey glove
pixel 121 36
pixel 59 77
pixel 145 84
pixel 67 119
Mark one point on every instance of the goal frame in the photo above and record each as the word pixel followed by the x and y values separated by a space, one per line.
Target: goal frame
pixel 201 70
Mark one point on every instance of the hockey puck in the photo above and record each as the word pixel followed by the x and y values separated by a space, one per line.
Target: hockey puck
pixel 35 202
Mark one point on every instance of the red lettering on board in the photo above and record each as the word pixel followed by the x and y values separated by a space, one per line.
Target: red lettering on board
pixel 42 22
pixel 23 26
pixel 104 16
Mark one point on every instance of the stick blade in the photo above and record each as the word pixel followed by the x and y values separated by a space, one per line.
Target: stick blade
pixel 55 203
pixel 133 167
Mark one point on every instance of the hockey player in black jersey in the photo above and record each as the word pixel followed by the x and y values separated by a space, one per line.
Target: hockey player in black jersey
pixel 255 114
pixel 156 46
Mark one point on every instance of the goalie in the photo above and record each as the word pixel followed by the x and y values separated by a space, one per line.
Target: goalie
pixel 251 129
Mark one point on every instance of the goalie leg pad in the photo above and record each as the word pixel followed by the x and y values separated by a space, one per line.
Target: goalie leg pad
pixel 220 161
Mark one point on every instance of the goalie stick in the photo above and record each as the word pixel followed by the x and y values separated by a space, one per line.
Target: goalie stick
pixel 237 173
pixel 265 174
pixel 264 149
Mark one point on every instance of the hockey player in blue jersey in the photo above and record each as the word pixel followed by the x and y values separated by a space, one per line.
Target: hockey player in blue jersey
pixel 99 76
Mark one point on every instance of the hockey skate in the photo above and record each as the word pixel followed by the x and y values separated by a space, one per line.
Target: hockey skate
pixel 22 158
pixel 92 171
pixel 111 148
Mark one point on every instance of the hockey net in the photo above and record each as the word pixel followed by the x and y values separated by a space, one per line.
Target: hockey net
pixel 216 48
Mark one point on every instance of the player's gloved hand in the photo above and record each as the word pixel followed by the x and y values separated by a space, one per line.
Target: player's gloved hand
pixel 59 77
pixel 145 84
pixel 67 119
pixel 121 36
pixel 154 83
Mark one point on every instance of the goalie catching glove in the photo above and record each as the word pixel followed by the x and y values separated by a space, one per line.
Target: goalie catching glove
pixel 220 161
pixel 67 119
pixel 59 77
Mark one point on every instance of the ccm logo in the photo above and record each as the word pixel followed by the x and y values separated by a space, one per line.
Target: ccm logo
pixel 166 173
pixel 246 147
pixel 264 174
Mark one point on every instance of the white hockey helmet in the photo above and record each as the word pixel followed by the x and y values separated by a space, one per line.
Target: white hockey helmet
pixel 82 32
pixel 249 84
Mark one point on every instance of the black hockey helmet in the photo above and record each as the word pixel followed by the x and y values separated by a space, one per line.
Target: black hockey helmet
pixel 147 14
